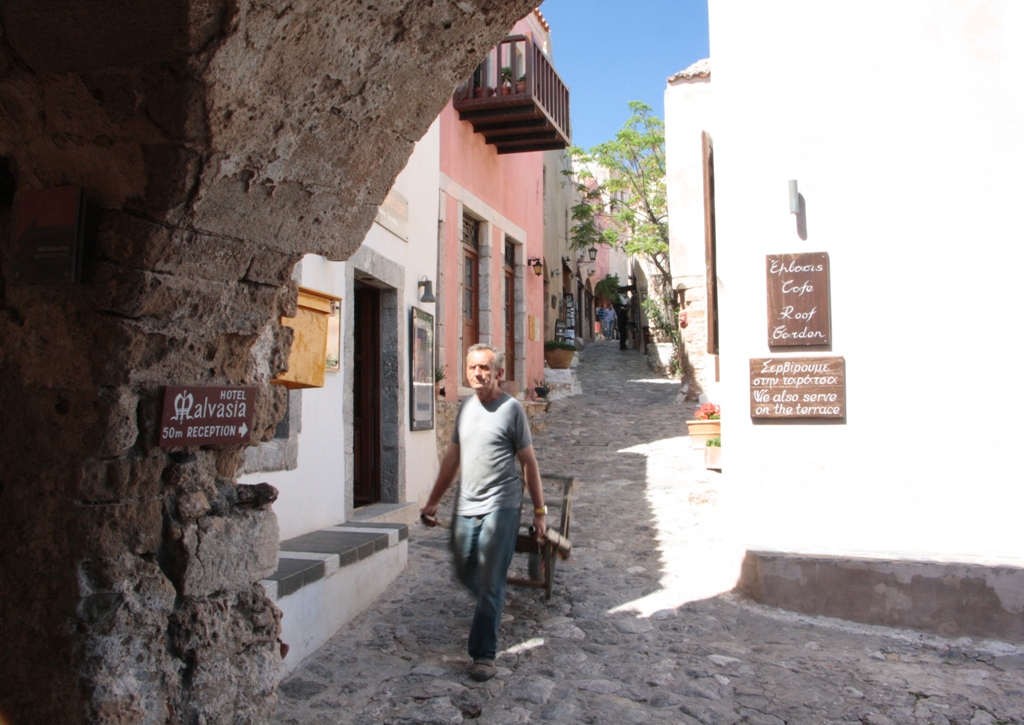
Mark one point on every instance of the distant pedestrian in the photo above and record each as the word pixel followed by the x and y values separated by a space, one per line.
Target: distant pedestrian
pixel 609 322
pixel 490 431
pixel 623 323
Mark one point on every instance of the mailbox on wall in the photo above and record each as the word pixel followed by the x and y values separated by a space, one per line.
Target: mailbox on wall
pixel 308 361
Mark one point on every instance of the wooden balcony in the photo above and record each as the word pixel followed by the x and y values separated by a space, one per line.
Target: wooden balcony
pixel 526 108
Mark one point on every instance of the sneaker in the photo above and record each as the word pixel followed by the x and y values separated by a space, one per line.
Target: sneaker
pixel 482 670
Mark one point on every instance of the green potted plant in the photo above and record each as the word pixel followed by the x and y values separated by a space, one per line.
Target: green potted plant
pixel 541 388
pixel 506 81
pixel 521 84
pixel 707 424
pixel 713 453
pixel 558 355
pixel 439 380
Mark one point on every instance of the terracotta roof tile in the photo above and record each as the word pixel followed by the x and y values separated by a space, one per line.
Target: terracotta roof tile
pixel 700 69
pixel 543 20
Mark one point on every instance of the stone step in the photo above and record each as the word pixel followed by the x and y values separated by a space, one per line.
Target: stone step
pixel 310 557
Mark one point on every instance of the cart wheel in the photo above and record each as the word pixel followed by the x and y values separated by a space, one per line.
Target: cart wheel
pixel 549 574
pixel 536 567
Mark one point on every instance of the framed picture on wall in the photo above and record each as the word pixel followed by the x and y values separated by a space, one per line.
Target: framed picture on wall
pixel 421 370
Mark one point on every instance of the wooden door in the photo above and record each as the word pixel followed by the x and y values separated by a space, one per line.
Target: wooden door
pixel 510 324
pixel 366 470
pixel 470 303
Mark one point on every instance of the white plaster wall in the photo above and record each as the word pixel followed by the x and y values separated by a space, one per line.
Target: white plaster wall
pixel 418 183
pixel 904 126
pixel 313 495
pixel 688 112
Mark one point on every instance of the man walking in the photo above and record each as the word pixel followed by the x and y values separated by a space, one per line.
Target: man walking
pixel 609 322
pixel 491 430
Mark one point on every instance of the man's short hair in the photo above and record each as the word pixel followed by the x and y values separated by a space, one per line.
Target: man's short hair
pixel 499 357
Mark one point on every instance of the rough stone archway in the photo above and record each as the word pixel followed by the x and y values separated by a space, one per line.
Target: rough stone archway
pixel 217 142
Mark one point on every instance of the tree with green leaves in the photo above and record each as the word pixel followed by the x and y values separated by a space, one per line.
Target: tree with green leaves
pixel 608 288
pixel 627 206
pixel 629 209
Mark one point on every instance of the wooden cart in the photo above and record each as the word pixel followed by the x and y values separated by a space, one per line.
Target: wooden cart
pixel 542 556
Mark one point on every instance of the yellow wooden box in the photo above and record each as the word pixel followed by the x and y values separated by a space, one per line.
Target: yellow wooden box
pixel 307 362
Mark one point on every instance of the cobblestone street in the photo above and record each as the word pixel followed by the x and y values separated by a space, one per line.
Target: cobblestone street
pixel 641 626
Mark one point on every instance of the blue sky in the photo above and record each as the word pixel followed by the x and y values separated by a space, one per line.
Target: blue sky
pixel 610 53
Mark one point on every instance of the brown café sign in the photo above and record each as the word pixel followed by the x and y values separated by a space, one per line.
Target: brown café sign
pixel 798 300
pixel 196 415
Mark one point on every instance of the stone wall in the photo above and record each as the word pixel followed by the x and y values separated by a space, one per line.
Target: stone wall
pixel 698 365
pixel 217 142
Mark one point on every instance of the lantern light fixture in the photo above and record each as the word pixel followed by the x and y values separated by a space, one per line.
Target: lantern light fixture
pixel 537 263
pixel 593 253
pixel 428 291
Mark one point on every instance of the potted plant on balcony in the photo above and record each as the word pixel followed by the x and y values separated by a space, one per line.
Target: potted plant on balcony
pixel 713 453
pixel 707 424
pixel 506 81
pixel 521 84
pixel 558 355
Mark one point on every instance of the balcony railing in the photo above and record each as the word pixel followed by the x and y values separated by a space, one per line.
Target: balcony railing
pixel 524 108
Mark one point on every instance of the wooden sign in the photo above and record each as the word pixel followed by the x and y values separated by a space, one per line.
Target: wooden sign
pixel 798 387
pixel 798 300
pixel 197 415
pixel 47 235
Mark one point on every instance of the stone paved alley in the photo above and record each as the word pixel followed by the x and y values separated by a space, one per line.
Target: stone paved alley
pixel 641 627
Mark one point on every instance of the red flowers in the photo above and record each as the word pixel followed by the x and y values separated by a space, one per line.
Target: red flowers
pixel 708 411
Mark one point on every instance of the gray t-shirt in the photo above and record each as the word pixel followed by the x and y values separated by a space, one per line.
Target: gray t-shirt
pixel 489 435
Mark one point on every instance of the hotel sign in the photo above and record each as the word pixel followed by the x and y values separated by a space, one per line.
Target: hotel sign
pixel 798 300
pixel 206 415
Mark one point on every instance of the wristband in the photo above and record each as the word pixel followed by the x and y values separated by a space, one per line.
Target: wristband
pixel 540 511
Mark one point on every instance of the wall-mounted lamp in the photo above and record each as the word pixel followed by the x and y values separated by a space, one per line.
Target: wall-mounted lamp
pixel 593 253
pixel 794 198
pixel 566 261
pixel 537 263
pixel 428 292
pixel 556 272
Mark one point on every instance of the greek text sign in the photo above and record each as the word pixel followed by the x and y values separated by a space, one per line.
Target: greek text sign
pixel 393 214
pixel 798 387
pixel 798 299
pixel 200 416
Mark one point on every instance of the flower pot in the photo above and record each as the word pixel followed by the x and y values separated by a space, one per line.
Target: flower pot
pixel 521 87
pixel 558 359
pixel 478 92
pixel 713 457
pixel 506 90
pixel 701 430
pixel 542 393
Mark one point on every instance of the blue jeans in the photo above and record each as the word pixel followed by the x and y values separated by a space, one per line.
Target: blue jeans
pixel 483 548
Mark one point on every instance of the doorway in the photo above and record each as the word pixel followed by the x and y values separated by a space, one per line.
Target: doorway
pixel 366 442
pixel 510 310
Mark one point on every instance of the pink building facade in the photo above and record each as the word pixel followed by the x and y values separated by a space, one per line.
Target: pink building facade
pixel 491 228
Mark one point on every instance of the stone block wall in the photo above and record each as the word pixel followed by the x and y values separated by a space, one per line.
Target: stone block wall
pixel 698 364
pixel 217 143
